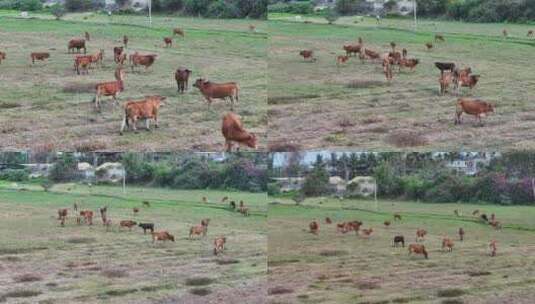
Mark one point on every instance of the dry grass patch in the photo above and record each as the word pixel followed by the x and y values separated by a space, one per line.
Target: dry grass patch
pixel 279 290
pixel 450 293
pixel 114 273
pixel 120 292
pixel 23 293
pixel 367 285
pixel 227 261
pixel 363 84
pixel 283 147
pixel 81 240
pixel 282 262
pixel 200 291
pixel 478 273
pixel 278 100
pixel 200 281
pixel 331 253
pixel 405 139
pixel 79 87
pixel 5 251
pixel 372 119
pixel 28 277
pixel 89 146
pixel 8 105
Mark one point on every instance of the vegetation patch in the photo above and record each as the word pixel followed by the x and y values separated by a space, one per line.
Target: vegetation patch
pixel 23 293
pixel 275 100
pixel 406 139
pixel 5 251
pixel 114 273
pixel 452 301
pixel 11 259
pixel 120 292
pixel 201 281
pixel 331 253
pixel 152 288
pixel 478 273
pixel 279 290
pixel 89 146
pixel 282 262
pixel 451 293
pixel 363 84
pixel 81 240
pixel 8 105
pixel 367 285
pixel 200 291
pixel 227 261
pixel 29 277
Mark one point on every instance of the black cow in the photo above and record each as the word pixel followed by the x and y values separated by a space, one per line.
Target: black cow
pixel 147 226
pixel 399 239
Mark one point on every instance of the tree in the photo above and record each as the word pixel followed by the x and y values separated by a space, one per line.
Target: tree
pixel 390 5
pixel 317 181
pixel 57 11
pixel 331 16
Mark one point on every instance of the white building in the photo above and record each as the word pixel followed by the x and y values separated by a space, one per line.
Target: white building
pixel 403 7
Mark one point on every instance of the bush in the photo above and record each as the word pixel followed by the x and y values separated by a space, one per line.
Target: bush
pixel 301 8
pixel 14 175
pixel 23 5
pixel 316 182
pixel 331 16
pixel 222 9
pixel 273 189
pixel 64 169
pixel 57 10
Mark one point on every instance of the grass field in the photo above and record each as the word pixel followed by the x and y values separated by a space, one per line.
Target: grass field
pixel 337 268
pixel 317 105
pixel 48 107
pixel 41 262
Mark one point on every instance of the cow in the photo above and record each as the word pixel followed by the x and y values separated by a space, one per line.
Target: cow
pixel 127 223
pixel 135 210
pixel 341 60
pixel 408 63
pixel 232 205
pixel 530 33
pixel 87 215
pixel 243 210
pixel 204 199
pixel 495 224
pixel 117 51
pixel 182 78
pixel 493 248
pixel 98 57
pixel 211 90
pixel 447 244
pixel 420 234
pixel 144 60
pixel 233 131
pixel 445 80
pixel 445 66
pixel 387 69
pixel 178 31
pixel 168 41
pixel 371 54
pixel 2 56
pixel 429 46
pixel 475 107
pixel 146 226
pixel 352 49
pixel 397 216
pixel 62 216
pixel 456 212
pixel 75 206
pixel 505 33
pixel 146 203
pixel 367 232
pixel 404 53
pixel 328 220
pixel 39 56
pixel 461 234
pixel 467 81
pixel 146 109
pixel 397 240
pixel 307 54
pixel 386 223
pixel 439 37
pixel 476 212
pixel 87 36
pixel 252 28
pixel 484 217
pixel 103 211
pixel 162 236
pixel 394 57
pixel 125 41
pixel 77 44
pixel 314 228
pixel 418 249
pixel 219 244
pixel 111 88
pixel 82 62
pixel 201 229
pixel 224 199
pixel 121 59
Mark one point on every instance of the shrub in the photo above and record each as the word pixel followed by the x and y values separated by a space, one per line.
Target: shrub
pixel 64 168
pixel 14 175
pixel 303 8
pixel 57 11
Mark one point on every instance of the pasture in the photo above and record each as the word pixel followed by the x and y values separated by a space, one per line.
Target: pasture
pixel 332 267
pixel 47 107
pixel 313 105
pixel 41 262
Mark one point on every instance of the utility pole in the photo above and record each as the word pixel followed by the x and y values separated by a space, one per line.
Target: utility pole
pixel 150 12
pixel 415 18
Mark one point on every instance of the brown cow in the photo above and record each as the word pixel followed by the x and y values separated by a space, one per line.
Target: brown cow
pixel 111 88
pixel 135 210
pixel 2 56
pixel 62 216
pixel 178 31
pixel 314 227
pixel 475 107
pixel 233 131
pixel 505 33
pixel 418 249
pixel 387 223
pixel 182 78
pixel 77 44
pixel 429 46
pixel 125 41
pixel 493 248
pixel 372 54
pixel 341 60
pixel 352 49
pixel 307 54
pixel 495 224
pixel 146 109
pixel 367 232
pixel 219 244
pixel 87 36
pixel 39 56
pixel 252 28
pixel 467 81
pixel 88 216
pixel 212 90
pixel 445 80
pixel 328 220
pixel 447 244
pixel 82 62
pixel 439 37
pixel 408 63
pixel 530 33
pixel 128 224
pixel 117 51
pixel 144 60
pixel 387 69
pixel 201 229
pixel 397 216
pixel 461 234
pixel 162 236
pixel 168 41
pixel 243 210
pixel 98 57
pixel 394 57
pixel 420 234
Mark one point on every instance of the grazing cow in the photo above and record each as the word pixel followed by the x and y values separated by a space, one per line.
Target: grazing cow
pixel 307 54
pixel 408 63
pixel 393 46
pixel 178 31
pixel 397 240
pixel 75 206
pixel 39 56
pixel 467 81
pixel 505 33
pixel 387 223
pixel 125 41
pixel 252 28
pixel 144 60
pixel 484 217
pixel 233 131
pixel 496 225
pixel 108 224
pixel 397 216
pixel 418 249
pixel 439 37
pixel 135 210
pixel 447 244
pixel 429 46
pixel 121 59
pixel 232 205
pixel 87 216
pixel 117 51
pixel 445 80
pixel 82 62
pixel 146 204
pixel 87 36
pixel 328 220
pixel 456 212
pixel 341 60
pixel 243 210
pixel 128 224
pixel 224 199
pixel 367 232
pixel 204 199
pixel 476 212
pixel 314 227
pixel 211 90
pixel 404 53
pixel 341 227
pixel 394 57
pixel 77 44
pixel 62 216
pixel 445 66
pixel 352 49
pixel 162 236
pixel 103 211
pixel 420 234
pixel 168 41
pixel 201 229
pixel 146 226
pixel 475 107
pixel 98 57
pixel 146 109
pixel 387 69
pixel 111 88
pixel 461 234
pixel 2 56
pixel 182 78
pixel 530 33
pixel 492 217
pixel 493 248
pixel 372 54
pixel 219 244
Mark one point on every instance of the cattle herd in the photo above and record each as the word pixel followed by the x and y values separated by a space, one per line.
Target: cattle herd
pixel 450 74
pixel 399 240
pixel 147 108
pixel 85 217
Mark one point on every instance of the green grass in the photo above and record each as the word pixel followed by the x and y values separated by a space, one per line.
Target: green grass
pixel 317 105
pixel 48 107
pixel 87 262
pixel 337 268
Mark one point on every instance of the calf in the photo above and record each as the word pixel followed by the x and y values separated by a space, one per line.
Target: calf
pixel 475 107
pixel 168 41
pixel 135 210
pixel 87 216
pixel 387 223
pixel 147 226
pixel 307 54
pixel 234 132
pixel 328 220
pixel 182 78
pixel 162 236
pixel 243 210
pixel 397 240
pixel 367 232
pixel 530 33
pixel 212 90
pixel 62 216
pixel 408 63
pixel 445 81
pixel 429 46
pixel 314 227
pixel 232 205
pixel 144 60
pixel 146 109
pixel 493 248
pixel 418 249
pixel 447 244
pixel 201 229
pixel 352 49
pixel 77 44
pixel 178 31
pixel 117 51
pixel 420 234
pixel 39 56
pixel 111 88
pixel 461 234
pixel 2 56
pixel 397 216
pixel 82 62
pixel 128 224
pixel 87 36
pixel 219 245
pixel 341 60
